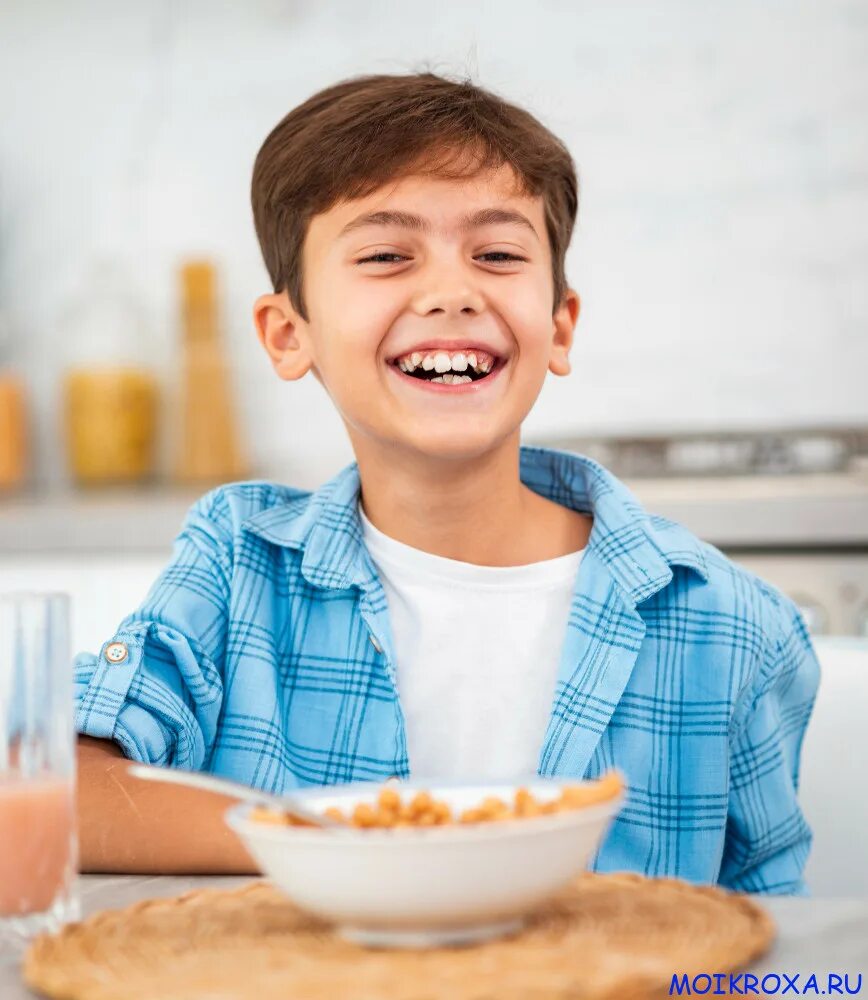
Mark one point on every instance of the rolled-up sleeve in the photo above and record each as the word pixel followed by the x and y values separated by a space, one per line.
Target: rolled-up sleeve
pixel 156 686
pixel 767 836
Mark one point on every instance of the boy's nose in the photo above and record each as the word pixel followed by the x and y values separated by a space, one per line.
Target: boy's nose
pixel 455 301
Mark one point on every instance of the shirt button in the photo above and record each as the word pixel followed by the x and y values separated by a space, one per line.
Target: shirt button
pixel 116 652
pixel 375 644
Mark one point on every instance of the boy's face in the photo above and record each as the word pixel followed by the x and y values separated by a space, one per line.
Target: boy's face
pixel 434 286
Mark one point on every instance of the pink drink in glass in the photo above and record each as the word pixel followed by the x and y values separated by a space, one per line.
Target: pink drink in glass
pixel 38 844
pixel 37 838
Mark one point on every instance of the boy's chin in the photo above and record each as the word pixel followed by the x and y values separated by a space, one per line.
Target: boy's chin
pixel 471 445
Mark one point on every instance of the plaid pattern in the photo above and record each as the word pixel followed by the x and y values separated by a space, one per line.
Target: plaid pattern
pixel 263 652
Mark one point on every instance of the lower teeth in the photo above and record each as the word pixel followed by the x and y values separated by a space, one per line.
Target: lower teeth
pixel 451 378
pixel 452 381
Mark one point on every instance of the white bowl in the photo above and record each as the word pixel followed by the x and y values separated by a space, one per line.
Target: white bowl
pixel 426 886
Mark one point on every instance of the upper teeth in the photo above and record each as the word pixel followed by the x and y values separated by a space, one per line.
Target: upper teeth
pixel 442 361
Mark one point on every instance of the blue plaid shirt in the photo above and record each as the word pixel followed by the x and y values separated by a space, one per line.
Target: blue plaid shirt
pixel 264 653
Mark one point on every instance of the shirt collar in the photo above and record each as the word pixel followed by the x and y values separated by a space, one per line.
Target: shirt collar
pixel 639 549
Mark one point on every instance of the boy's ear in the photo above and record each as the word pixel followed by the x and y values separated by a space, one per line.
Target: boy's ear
pixel 278 327
pixel 563 323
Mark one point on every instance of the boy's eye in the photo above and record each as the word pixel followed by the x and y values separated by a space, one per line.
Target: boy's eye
pixel 502 257
pixel 377 258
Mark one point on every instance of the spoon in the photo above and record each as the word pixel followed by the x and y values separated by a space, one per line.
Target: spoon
pixel 195 779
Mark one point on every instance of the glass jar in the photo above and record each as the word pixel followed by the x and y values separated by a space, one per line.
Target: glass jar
pixel 111 424
pixel 110 393
pixel 14 437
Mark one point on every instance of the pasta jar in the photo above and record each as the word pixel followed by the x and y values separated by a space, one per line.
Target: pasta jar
pixel 111 424
pixel 110 395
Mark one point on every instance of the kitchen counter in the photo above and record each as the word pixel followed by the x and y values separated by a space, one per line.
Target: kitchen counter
pixel 815 935
pixel 801 511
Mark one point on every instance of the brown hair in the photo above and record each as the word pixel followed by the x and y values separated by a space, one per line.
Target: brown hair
pixel 348 140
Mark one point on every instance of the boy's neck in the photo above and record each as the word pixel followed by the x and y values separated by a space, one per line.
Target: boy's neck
pixel 477 511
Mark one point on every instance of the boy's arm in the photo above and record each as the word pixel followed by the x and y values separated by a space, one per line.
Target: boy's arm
pixel 133 826
pixel 153 694
pixel 767 837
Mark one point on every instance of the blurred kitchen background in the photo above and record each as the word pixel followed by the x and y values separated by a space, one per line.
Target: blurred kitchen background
pixel 721 251
pixel 721 357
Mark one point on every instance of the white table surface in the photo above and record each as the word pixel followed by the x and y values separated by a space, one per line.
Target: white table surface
pixel 814 935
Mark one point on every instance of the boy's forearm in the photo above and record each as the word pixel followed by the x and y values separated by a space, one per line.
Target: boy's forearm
pixel 139 827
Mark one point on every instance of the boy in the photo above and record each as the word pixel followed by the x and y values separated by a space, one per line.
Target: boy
pixel 452 604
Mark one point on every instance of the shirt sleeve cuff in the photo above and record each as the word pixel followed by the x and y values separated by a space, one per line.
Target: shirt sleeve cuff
pixel 151 723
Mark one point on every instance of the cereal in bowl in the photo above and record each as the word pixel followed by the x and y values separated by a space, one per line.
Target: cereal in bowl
pixel 391 811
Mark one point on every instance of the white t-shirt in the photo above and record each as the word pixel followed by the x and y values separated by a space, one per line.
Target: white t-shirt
pixel 477 653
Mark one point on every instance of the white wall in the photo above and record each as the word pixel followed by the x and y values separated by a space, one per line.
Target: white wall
pixel 722 151
pixel 833 789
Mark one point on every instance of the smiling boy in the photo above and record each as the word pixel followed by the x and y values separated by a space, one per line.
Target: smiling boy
pixel 452 604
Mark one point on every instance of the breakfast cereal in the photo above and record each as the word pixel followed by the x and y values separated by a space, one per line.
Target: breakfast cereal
pixel 391 811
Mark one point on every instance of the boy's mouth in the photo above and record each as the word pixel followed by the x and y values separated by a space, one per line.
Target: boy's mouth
pixel 448 369
pixel 462 389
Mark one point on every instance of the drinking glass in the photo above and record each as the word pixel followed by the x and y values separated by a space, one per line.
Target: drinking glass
pixel 38 842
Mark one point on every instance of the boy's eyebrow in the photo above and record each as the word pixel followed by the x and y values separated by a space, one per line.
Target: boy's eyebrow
pixel 406 220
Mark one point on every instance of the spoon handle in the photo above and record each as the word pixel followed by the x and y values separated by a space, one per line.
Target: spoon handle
pixel 195 779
